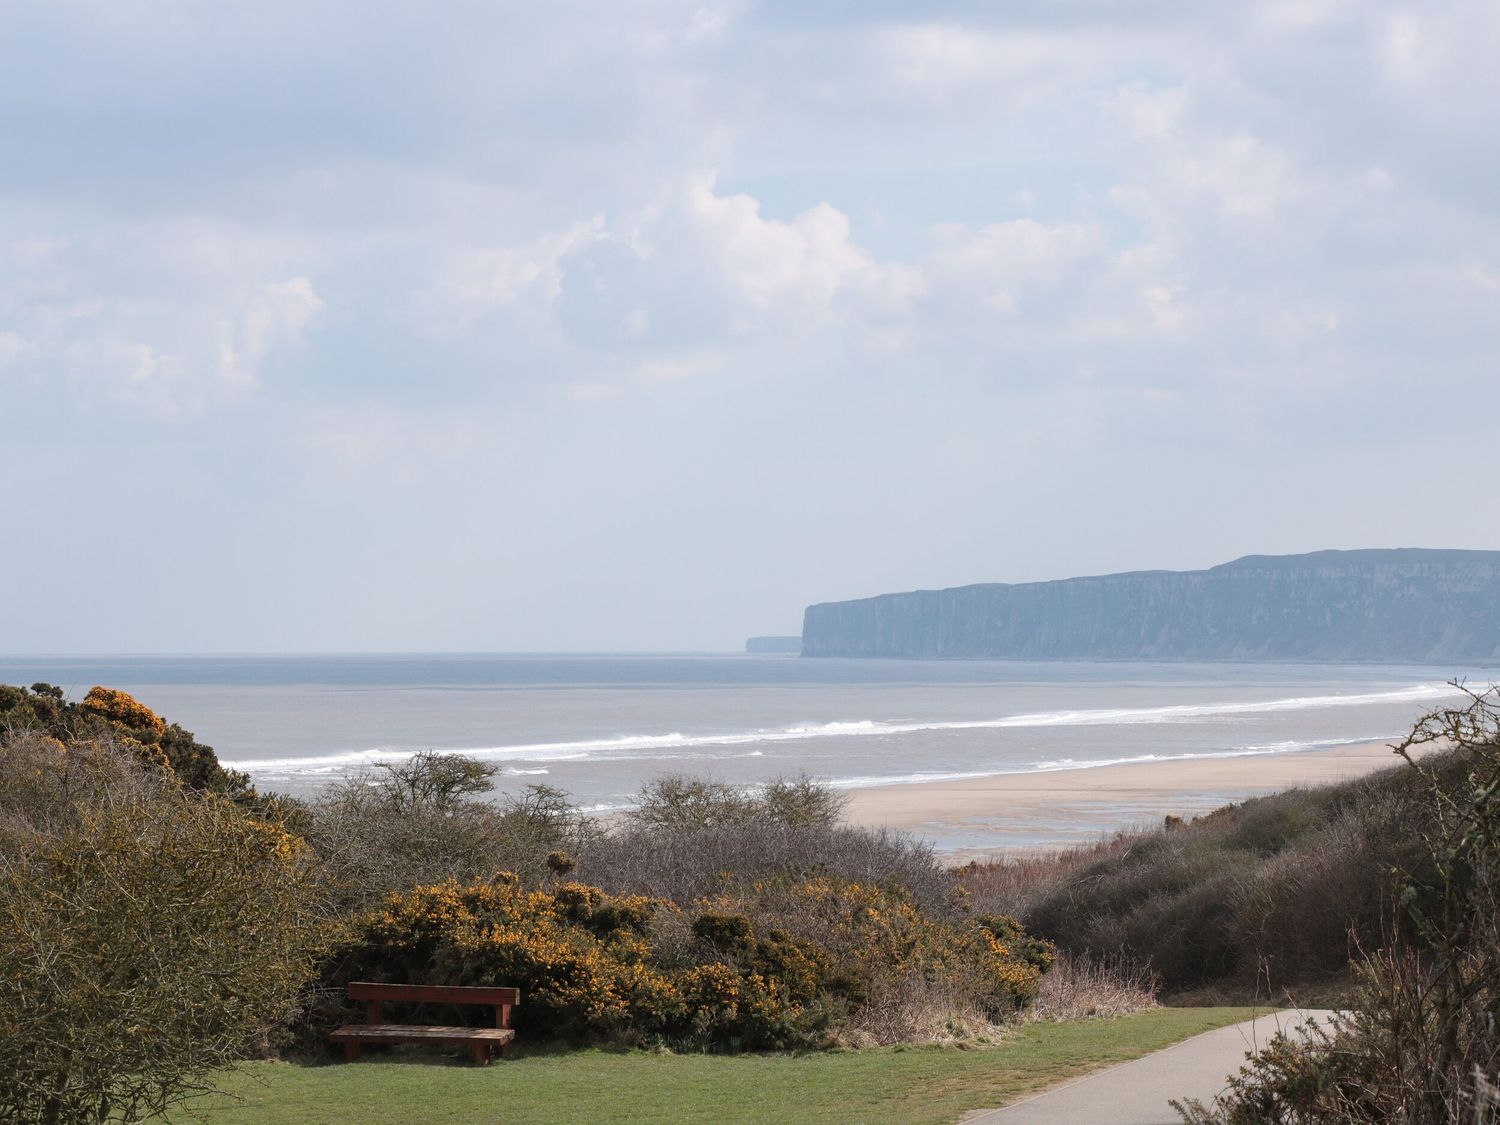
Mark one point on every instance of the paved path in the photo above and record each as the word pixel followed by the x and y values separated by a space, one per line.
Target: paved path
pixel 1138 1092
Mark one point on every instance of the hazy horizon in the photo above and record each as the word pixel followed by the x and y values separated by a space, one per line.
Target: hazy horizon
pixel 641 327
pixel 736 649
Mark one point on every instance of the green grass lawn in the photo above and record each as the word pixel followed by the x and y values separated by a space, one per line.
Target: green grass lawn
pixel 915 1084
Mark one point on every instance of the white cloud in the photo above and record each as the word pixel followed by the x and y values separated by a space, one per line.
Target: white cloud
pixel 709 23
pixel 1300 16
pixel 1410 49
pixel 1482 277
pixel 166 318
pixel 275 317
pixel 113 370
pixel 1176 166
pixel 809 267
pixel 1148 113
pixel 692 265
pixel 1100 233
pixel 1175 170
pixel 14 348
pixel 345 445
pixel 996 264
pixel 946 63
pixel 482 279
pixel 688 366
pixel 593 392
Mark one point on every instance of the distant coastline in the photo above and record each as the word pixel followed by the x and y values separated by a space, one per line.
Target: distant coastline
pixel 1376 606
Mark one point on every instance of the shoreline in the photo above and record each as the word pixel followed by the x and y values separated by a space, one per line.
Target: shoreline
pixel 976 817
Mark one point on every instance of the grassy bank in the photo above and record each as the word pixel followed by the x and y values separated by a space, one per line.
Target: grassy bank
pixel 919 1084
pixel 1254 899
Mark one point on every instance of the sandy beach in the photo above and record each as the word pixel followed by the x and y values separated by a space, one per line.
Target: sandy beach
pixel 1053 809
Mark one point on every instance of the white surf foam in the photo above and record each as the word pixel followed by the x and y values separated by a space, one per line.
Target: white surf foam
pixel 1063 764
pixel 676 745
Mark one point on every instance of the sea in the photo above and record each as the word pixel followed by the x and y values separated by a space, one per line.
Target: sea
pixel 601 726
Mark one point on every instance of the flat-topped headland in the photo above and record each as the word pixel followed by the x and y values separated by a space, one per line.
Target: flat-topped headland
pixel 1403 605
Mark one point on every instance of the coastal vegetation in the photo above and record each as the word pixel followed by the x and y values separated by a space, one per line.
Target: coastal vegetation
pixel 710 918
pixel 130 727
pixel 1380 897
pixel 1267 898
pixel 151 933
pixel 1419 1041
pixel 164 923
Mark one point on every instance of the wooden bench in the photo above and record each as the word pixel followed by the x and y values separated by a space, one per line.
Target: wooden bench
pixel 480 1040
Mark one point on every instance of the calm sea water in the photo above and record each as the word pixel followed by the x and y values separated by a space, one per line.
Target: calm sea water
pixel 598 726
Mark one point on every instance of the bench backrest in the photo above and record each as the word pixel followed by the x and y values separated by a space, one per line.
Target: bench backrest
pixel 433 993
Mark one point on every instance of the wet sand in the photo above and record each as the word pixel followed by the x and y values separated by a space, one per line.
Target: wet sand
pixel 1044 810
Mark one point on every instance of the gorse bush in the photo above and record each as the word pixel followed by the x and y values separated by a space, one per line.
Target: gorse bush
pixel 594 966
pixel 138 958
pixel 710 915
pixel 129 725
pixel 877 942
pixel 123 710
pixel 584 961
pixel 571 950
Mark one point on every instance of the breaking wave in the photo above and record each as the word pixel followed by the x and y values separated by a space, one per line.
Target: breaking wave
pixel 1061 764
pixel 676 745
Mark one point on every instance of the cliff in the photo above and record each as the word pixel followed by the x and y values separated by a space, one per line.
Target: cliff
pixel 1404 605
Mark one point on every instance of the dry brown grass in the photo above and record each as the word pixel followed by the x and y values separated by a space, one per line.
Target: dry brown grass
pixel 917 1010
pixel 1013 883
pixel 1085 986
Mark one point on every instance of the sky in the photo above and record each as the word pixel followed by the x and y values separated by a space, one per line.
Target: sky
pixel 356 326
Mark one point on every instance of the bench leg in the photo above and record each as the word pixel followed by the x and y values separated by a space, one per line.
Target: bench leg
pixel 351 1052
pixel 505 1049
pixel 481 1054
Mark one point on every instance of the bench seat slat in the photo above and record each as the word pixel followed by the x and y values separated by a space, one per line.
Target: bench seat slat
pixel 416 1033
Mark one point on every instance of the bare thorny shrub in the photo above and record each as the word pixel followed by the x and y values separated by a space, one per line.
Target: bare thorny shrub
pixel 689 864
pixel 429 818
pixel 1421 1043
pixel 687 837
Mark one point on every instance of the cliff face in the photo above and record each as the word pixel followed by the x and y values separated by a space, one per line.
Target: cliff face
pixel 1392 605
